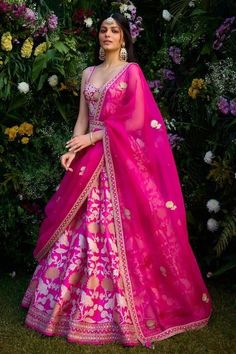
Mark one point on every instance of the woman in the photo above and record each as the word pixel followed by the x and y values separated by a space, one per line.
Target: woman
pixel 115 263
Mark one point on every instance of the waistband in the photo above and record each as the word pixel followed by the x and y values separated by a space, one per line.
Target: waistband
pixel 96 124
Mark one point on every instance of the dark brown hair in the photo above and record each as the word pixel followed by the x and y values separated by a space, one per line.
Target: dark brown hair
pixel 124 25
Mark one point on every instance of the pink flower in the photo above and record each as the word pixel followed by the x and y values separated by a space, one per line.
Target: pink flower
pixel 52 22
pixel 232 105
pixel 29 15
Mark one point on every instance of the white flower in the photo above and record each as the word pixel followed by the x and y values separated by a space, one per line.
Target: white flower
pixel 155 124
pixel 208 157
pixel 13 274
pixel 53 80
pixel 166 15
pixel 235 175
pixel 191 4
pixel 88 22
pixel 213 205
pixel 212 225
pixel 23 87
pixel 131 7
pixel 209 274
pixel 123 8
pixel 127 15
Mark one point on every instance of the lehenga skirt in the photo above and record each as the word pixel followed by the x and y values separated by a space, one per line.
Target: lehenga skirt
pixel 77 290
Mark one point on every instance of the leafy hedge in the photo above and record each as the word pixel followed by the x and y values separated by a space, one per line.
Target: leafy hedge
pixel 187 51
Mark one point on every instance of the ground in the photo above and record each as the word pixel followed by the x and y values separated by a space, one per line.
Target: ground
pixel 217 338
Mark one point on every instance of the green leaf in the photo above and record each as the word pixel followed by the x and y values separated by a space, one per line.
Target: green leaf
pixel 61 110
pixel 17 102
pixel 198 12
pixel 61 47
pixel 42 80
pixel 40 63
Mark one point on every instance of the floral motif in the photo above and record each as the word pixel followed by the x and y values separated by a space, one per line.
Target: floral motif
pixel 170 205
pixel 155 124
pixel 82 170
pixel 163 271
pixel 81 273
pixel 122 85
pixel 205 297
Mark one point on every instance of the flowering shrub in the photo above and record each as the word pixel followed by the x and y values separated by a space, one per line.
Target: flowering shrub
pixel 191 71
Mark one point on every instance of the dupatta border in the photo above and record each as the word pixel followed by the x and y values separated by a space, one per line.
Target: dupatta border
pixel 120 236
pixel 72 212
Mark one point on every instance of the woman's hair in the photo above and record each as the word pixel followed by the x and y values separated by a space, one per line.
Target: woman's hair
pixel 124 25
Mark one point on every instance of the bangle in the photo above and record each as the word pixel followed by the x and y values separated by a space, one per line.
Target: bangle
pixel 91 138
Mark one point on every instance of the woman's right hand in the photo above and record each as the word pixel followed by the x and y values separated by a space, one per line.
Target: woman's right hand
pixel 66 160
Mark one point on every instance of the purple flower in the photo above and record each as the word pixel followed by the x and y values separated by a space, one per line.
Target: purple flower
pixel 223 32
pixel 52 22
pixel 18 10
pixel 174 140
pixel 4 7
pixel 223 105
pixel 41 31
pixel 29 15
pixel 168 74
pixel 232 105
pixel 175 54
pixel 154 84
pixel 135 27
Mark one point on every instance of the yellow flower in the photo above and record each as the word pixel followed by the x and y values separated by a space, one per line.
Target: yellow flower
pixel 25 140
pixel 26 49
pixel 196 86
pixel 41 48
pixel 25 128
pixel 63 87
pixel 193 92
pixel 6 41
pixel 12 132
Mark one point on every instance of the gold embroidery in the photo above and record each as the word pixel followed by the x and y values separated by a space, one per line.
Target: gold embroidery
pixel 72 212
pixel 107 284
pixel 52 273
pixel 74 278
pixel 81 172
pixel 151 324
pixel 122 85
pixel 170 205
pixel 163 271
pixel 205 298
pixel 93 282
pixel 155 124
pixel 127 213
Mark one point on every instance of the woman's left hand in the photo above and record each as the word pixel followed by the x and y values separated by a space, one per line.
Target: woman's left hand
pixel 78 143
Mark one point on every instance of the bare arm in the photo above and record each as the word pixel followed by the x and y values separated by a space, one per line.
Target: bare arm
pixel 81 124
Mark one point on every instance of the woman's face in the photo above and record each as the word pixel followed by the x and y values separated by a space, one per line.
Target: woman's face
pixel 110 35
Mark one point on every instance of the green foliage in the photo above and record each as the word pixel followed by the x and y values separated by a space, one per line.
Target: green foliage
pixel 31 171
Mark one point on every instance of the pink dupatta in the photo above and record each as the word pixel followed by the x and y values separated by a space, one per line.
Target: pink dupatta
pixel 164 287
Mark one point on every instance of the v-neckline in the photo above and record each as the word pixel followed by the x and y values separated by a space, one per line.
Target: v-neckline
pixel 106 83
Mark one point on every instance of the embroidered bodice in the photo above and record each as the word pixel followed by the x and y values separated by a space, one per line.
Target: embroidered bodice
pixel 94 96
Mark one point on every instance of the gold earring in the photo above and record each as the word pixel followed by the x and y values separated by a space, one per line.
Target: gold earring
pixel 101 54
pixel 123 53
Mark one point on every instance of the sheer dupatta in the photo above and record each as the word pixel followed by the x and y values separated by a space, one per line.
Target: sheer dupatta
pixel 163 283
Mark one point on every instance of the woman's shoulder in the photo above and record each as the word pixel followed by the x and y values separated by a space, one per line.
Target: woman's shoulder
pixel 134 68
